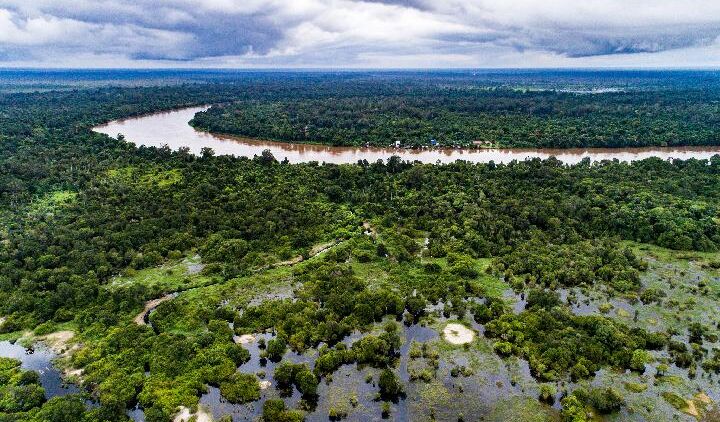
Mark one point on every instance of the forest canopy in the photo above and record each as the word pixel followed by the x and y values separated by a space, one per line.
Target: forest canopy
pixel 336 261
pixel 425 111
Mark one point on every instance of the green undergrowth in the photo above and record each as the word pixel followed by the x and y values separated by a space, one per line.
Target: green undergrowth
pixel 175 275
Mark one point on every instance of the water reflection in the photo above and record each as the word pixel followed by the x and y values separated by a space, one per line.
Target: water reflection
pixel 172 129
pixel 40 360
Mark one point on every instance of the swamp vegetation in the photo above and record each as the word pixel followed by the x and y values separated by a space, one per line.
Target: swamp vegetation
pixel 313 291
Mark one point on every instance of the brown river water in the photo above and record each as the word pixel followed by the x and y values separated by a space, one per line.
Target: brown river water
pixel 171 128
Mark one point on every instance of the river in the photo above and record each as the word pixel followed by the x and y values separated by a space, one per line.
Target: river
pixel 171 128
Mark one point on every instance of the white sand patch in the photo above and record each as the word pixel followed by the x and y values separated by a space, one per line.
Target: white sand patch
pixel 62 344
pixel 703 398
pixel 245 339
pixel 73 373
pixel 58 341
pixel 458 334
pixel 264 385
pixel 184 415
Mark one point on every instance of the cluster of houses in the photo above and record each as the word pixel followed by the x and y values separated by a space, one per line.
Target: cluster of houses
pixel 435 143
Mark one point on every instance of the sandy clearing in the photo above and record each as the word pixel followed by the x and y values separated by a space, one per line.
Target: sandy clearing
pixel 244 339
pixel 458 334
pixel 61 343
pixel 73 373
pixel 184 415
pixel 58 341
pixel 691 409
pixel 369 230
pixel 318 249
pixel 293 261
pixel 703 398
pixel 149 306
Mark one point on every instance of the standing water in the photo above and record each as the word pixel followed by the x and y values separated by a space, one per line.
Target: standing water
pixel 40 360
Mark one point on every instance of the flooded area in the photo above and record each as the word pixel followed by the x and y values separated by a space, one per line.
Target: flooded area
pixel 172 129
pixel 39 359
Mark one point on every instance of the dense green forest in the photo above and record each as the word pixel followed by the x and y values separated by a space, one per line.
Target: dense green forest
pixel 473 112
pixel 334 267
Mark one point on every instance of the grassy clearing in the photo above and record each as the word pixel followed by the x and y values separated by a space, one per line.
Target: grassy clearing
pixel 522 409
pixel 51 203
pixel 186 313
pixel 172 276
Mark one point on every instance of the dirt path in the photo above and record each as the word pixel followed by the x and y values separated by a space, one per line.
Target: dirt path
pixel 315 251
pixel 149 306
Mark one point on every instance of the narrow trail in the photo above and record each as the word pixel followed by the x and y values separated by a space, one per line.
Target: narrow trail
pixel 150 305
pixel 315 251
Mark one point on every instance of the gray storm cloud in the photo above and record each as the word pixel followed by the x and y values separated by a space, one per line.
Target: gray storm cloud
pixel 357 33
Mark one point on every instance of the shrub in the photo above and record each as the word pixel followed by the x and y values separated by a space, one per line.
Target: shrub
pixel 69 408
pixel 274 411
pixel 306 382
pixel 573 409
pixel 542 299
pixel 288 374
pixel 605 400
pixel 503 348
pixel 240 388
pixel 389 384
pixel 639 359
pixel 547 393
pixel 579 371
pixel 276 349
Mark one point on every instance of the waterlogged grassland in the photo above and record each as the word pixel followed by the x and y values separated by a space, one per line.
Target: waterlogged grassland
pixel 173 276
pixel 394 275
pixel 487 385
pixel 442 375
pixel 347 391
pixel 691 281
pixel 186 314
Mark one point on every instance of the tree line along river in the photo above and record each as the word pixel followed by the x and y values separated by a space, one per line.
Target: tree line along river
pixel 171 128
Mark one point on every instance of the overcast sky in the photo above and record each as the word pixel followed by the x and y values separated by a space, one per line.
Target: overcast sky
pixel 368 34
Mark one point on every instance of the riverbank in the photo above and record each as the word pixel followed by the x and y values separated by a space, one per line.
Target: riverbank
pixel 171 128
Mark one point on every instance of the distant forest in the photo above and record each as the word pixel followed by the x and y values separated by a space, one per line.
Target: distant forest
pixel 464 110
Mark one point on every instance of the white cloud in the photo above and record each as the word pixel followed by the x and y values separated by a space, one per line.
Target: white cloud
pixel 354 33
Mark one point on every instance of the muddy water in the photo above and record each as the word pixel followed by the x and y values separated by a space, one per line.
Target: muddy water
pixel 172 129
